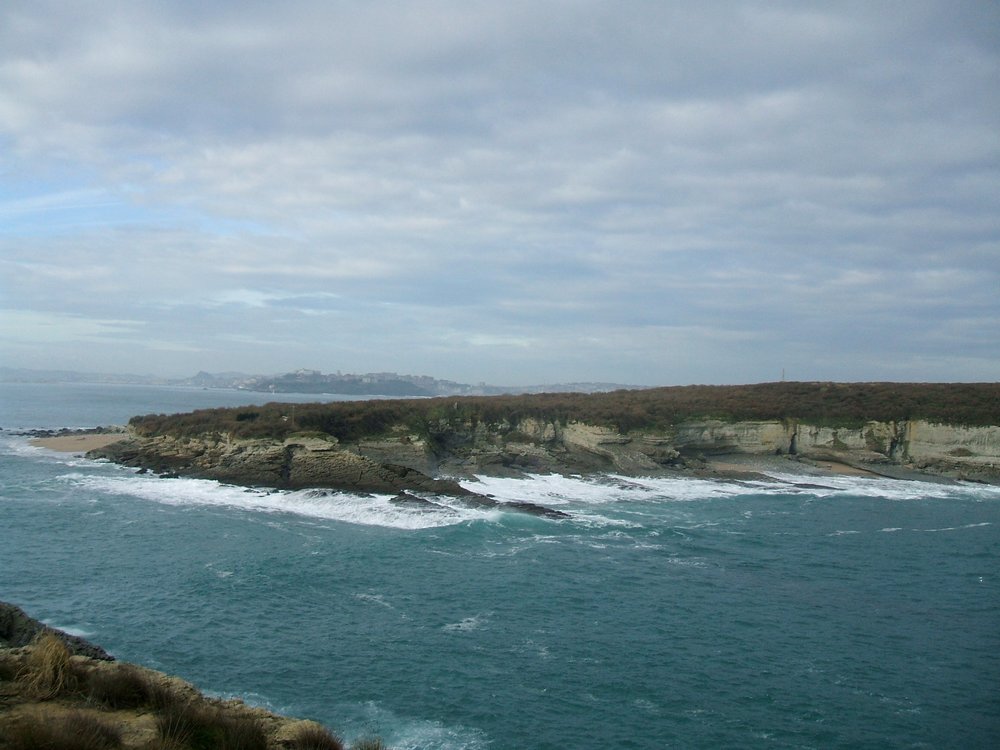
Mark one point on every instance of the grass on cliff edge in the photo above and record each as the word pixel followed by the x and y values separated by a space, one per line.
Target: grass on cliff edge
pixel 62 703
pixel 830 404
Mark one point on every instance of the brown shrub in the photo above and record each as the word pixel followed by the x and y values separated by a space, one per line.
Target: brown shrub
pixel 314 737
pixel 124 686
pixel 202 727
pixel 72 731
pixel 48 670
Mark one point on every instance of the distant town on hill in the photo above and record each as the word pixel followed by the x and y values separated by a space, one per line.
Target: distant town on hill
pixel 309 381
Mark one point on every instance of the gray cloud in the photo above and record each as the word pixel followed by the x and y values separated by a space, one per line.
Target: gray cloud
pixel 514 192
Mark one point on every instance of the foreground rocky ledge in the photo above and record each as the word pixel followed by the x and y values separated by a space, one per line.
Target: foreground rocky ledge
pixel 59 691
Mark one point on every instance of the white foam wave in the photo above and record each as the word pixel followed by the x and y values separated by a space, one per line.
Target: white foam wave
pixel 957 528
pixel 891 489
pixel 469 623
pixel 70 629
pixel 407 733
pixel 20 446
pixel 559 490
pixel 223 574
pixel 368 510
pixel 587 499
pixel 374 599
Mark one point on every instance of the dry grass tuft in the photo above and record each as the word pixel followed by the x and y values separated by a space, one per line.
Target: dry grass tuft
pixel 314 737
pixel 72 731
pixel 370 743
pixel 48 671
pixel 205 728
pixel 122 687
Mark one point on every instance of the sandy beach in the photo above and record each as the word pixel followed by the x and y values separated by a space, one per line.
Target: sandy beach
pixel 781 464
pixel 77 443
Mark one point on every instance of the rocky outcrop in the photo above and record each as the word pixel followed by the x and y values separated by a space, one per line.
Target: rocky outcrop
pixel 402 463
pixel 18 629
pixel 298 462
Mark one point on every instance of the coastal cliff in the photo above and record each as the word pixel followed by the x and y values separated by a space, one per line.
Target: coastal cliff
pixel 407 447
pixel 299 462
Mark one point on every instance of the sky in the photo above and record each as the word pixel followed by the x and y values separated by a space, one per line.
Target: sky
pixel 510 192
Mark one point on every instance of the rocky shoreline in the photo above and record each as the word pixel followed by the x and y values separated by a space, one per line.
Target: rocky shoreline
pixel 418 464
pixel 415 468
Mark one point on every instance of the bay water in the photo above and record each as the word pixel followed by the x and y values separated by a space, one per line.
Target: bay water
pixel 798 612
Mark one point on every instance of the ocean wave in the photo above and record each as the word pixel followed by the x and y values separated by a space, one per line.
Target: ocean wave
pixel 597 501
pixel 71 629
pixel 367 510
pixel 469 623
pixel 608 489
pixel 407 733
pixel 958 528
pixel 601 489
pixel 20 446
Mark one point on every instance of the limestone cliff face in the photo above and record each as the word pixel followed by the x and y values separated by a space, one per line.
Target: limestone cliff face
pixel 403 462
pixel 530 444
pixel 302 461
pixel 293 463
pixel 941 446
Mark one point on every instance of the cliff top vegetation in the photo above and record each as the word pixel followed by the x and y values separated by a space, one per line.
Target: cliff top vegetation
pixel 833 404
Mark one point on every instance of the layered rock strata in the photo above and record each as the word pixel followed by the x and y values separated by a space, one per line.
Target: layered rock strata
pixel 298 462
pixel 399 462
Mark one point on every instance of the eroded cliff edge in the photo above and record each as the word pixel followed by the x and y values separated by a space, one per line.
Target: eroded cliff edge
pixel 414 448
pixel 405 463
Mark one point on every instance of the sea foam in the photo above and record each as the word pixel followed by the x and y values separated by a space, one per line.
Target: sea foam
pixel 369 510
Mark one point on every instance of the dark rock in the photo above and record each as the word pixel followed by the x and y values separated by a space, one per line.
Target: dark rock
pixel 534 509
pixel 18 629
pixel 297 463
pixel 417 503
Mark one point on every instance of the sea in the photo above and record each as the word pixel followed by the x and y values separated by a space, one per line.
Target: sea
pixel 792 612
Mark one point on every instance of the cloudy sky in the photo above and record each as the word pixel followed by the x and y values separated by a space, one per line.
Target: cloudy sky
pixel 511 192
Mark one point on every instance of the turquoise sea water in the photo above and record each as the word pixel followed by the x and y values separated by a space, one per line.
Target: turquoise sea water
pixel 663 613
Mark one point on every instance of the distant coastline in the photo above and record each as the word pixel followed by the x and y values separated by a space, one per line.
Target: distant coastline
pixel 386 384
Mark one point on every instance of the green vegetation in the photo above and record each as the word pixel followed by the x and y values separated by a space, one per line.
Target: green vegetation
pixel 829 404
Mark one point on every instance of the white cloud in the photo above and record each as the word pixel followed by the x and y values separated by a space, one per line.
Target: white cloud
pixel 590 189
pixel 20 326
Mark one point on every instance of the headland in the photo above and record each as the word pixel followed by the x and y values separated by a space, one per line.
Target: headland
pixel 415 448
